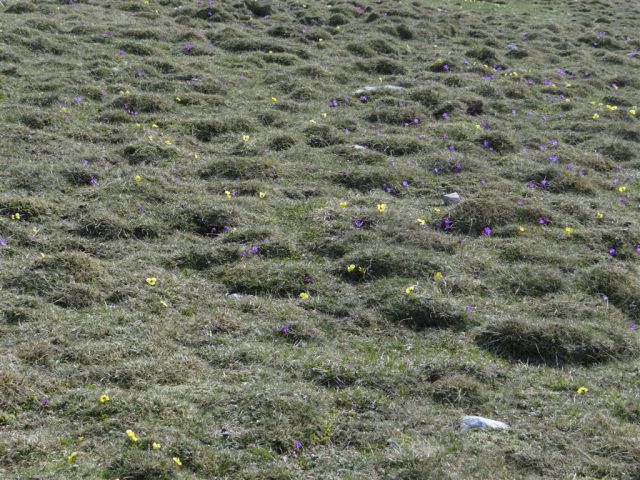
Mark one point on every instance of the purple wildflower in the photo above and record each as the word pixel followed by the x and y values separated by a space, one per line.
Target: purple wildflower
pixel 452 147
pixel 638 248
pixel 469 308
pixel 612 251
pixel 457 168
pixel 307 279
pixel 544 220
pixel 531 185
pixel 405 184
pixel 188 48
pixel 447 224
pixel 520 203
pixel 255 249
pixel 285 329
pixel 553 158
pixel 4 243
pixel 243 254
pixel 487 231
pixel 364 98
pixel 604 298
pixel 445 116
pixel 633 326
pixel 76 99
pixel 297 445
pixel 544 183
pixel 333 103
pixel 358 223
pixel 140 74
pixel 44 402
pixel 93 181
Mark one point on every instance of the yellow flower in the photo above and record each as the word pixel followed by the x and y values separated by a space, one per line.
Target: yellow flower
pixel 436 209
pixel 595 116
pixel 324 115
pixel 343 204
pixel 438 276
pixel 132 435
pixel 361 269
pixel 582 390
pixel 622 189
pixel 178 99
pixel 154 126
pixel 422 222
pixel 167 142
pixel 104 398
pixel 632 112
pixel 409 290
pixel 382 207
pixel 521 230
pixel 274 99
pixel 164 304
pixel 262 194
pixel 303 296
pixel 567 84
pixel 155 446
pixel 71 457
pixel 137 178
pixel 613 108
pixel 15 216
pixel 568 230
pixel 228 194
pixel 599 215
pixel 177 461
pixel 477 126
pixel 312 122
pixel 351 268
pixel 152 281
pixel 245 138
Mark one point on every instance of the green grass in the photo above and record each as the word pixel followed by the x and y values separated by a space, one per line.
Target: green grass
pixel 294 329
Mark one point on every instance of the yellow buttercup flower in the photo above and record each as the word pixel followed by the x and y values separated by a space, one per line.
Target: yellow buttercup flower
pixel 343 204
pixel 152 281
pixel 595 116
pixel 521 230
pixel 409 290
pixel 155 446
pixel 421 221
pixel 137 178
pixel 436 209
pixel 622 189
pixel 568 230
pixel 168 142
pixel 632 112
pixel 228 194
pixel 177 461
pixel 245 138
pixel 582 390
pixel 262 194
pixel 351 268
pixel 132 435
pixel 599 215
pixel 104 398
pixel 71 457
pixel 274 99
pixel 438 276
pixel 154 125
pixel 382 207
pixel 313 122
pixel 16 216
pixel 303 296
pixel 164 304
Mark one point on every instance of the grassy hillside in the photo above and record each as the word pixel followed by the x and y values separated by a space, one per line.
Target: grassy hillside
pixel 222 256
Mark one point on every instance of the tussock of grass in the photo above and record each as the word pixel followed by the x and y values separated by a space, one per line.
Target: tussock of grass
pixel 557 343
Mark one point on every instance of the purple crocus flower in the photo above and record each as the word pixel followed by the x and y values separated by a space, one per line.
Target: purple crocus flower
pixel 297 445
pixel 469 308
pixel 445 116
pixel 307 279
pixel 139 74
pixel 405 184
pixel 544 183
pixel 520 203
pixel 363 98
pixel 457 168
pixel 447 224
pixel 188 48
pixel 638 248
pixel 44 402
pixel 612 251
pixel 487 231
pixel 243 254
pixel 255 249
pixel 333 103
pixel 633 326
pixel 76 99
pixel 553 158
pixel 285 330
pixel 93 181
pixel 4 243
pixel 358 223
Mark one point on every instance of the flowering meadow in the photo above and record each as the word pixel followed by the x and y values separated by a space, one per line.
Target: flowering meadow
pixel 225 251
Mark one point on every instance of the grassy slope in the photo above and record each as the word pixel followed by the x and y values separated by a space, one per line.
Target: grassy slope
pixel 371 380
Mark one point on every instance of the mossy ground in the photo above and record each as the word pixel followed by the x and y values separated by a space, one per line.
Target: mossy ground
pixel 225 150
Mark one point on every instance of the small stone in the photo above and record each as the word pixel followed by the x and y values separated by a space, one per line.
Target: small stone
pixel 359 147
pixel 471 423
pixel 381 88
pixel 451 198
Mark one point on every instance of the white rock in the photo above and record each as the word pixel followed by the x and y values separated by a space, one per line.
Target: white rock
pixel 451 198
pixel 381 88
pixel 359 147
pixel 471 422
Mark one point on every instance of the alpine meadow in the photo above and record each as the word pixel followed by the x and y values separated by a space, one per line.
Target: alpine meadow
pixel 298 239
